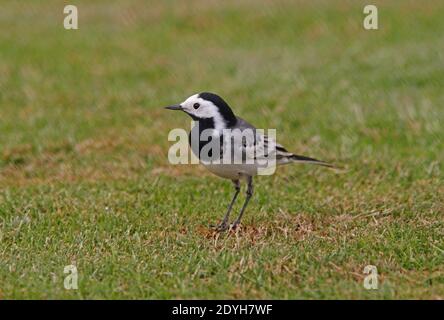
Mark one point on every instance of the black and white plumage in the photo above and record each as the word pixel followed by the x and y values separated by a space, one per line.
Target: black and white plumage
pixel 252 153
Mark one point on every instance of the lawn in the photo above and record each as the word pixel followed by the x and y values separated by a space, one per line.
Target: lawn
pixel 84 175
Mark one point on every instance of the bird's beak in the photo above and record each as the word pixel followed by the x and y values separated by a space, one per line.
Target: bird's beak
pixel 174 107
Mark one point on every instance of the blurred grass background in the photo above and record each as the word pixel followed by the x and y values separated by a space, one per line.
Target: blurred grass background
pixel 84 177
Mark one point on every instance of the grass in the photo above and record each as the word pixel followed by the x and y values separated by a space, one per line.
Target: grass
pixel 84 177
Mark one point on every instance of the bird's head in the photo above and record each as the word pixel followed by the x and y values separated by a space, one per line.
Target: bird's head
pixel 206 105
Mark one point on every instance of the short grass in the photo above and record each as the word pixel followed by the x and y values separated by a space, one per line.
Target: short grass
pixel 84 177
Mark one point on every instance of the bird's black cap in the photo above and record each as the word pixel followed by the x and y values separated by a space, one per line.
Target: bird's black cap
pixel 223 107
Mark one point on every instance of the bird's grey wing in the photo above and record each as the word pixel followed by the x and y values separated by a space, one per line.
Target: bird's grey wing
pixel 255 145
pixel 264 147
pixel 242 124
pixel 262 138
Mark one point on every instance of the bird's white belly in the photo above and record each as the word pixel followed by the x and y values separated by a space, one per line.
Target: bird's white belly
pixel 232 171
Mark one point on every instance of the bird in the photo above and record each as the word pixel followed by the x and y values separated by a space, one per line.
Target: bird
pixel 213 115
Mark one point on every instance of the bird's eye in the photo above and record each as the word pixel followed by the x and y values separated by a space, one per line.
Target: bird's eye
pixel 196 105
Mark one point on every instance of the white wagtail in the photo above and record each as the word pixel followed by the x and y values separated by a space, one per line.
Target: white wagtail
pixel 212 113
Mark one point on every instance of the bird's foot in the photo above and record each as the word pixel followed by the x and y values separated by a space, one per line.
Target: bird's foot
pixel 223 226
pixel 235 226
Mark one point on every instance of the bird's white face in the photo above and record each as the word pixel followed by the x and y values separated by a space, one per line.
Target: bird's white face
pixel 200 108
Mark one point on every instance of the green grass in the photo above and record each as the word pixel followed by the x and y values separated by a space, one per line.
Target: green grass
pixel 84 176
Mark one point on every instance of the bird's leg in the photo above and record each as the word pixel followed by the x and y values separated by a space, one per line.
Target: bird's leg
pixel 224 224
pixel 249 194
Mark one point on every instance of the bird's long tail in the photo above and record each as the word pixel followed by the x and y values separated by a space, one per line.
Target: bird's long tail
pixel 284 157
pixel 304 159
